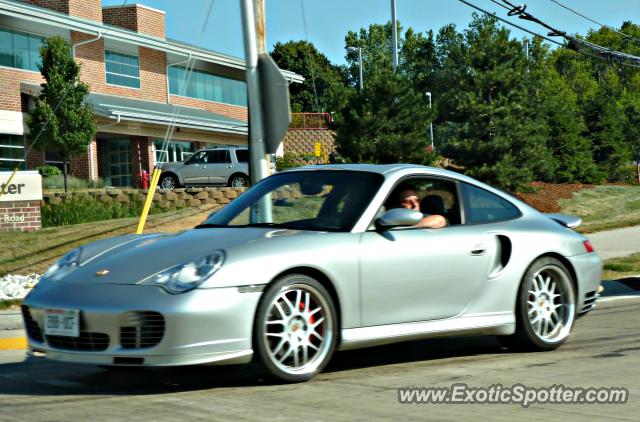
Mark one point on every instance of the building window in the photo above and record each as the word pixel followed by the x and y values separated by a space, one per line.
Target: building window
pixel 207 86
pixel 20 50
pixel 175 151
pixel 54 158
pixel 122 69
pixel 12 152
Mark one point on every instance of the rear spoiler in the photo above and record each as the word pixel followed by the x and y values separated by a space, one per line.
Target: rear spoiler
pixel 565 220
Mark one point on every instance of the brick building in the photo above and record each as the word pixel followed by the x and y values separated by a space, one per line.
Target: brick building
pixel 137 86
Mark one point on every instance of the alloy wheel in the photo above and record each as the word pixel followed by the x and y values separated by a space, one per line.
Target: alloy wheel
pixel 299 329
pixel 550 304
pixel 168 183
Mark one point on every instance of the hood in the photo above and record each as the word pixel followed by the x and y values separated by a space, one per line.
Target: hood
pixel 130 259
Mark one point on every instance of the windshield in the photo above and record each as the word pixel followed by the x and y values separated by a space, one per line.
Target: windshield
pixel 326 200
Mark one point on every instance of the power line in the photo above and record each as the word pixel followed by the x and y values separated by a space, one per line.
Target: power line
pixel 499 4
pixel 594 21
pixel 574 43
pixel 511 23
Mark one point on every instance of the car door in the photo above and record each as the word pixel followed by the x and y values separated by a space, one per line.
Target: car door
pixel 219 166
pixel 422 274
pixel 194 171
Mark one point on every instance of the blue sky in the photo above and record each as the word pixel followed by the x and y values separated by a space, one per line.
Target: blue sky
pixel 328 21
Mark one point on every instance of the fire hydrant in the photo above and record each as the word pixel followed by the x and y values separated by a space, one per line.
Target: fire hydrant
pixel 144 179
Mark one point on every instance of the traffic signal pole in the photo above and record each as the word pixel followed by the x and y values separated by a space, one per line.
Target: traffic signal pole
pixel 253 24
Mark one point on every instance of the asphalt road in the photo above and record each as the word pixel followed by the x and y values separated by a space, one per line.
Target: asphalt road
pixel 359 385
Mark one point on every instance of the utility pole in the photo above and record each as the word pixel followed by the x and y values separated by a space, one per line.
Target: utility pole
pixel 394 35
pixel 253 24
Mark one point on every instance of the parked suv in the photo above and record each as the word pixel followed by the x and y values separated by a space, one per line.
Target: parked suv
pixel 212 166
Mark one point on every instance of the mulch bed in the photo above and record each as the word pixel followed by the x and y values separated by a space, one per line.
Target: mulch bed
pixel 546 195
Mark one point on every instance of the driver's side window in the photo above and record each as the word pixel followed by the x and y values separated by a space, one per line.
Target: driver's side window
pixel 435 198
pixel 198 158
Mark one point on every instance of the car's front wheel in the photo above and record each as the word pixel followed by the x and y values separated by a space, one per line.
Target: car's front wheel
pixel 168 181
pixel 545 309
pixel 239 181
pixel 295 328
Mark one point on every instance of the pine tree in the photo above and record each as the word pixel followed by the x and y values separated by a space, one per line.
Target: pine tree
pixel 499 136
pixel 388 122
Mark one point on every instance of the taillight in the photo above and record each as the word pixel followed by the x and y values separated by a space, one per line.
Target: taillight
pixel 588 246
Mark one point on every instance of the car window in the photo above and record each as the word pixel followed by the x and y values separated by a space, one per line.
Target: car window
pixel 219 156
pixel 242 155
pixel 482 206
pixel 305 200
pixel 435 196
pixel 199 157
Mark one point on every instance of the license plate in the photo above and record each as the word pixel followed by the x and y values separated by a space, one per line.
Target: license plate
pixel 62 322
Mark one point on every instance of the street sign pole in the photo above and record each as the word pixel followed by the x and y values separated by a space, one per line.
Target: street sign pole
pixel 254 40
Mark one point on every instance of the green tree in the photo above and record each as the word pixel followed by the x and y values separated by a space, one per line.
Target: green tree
pixel 61 118
pixel 498 134
pixel 303 58
pixel 605 119
pixel 388 122
pixel 554 97
pixel 631 105
pixel 416 54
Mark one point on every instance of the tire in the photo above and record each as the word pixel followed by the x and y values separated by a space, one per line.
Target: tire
pixel 238 181
pixel 545 307
pixel 168 181
pixel 295 329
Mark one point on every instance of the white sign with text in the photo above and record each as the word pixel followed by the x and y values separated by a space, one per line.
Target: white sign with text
pixel 25 186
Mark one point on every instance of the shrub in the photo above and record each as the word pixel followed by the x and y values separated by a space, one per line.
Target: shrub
pixel 57 182
pixel 85 208
pixel 628 173
pixel 287 161
pixel 48 171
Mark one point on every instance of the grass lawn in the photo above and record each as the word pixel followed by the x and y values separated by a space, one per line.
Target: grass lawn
pixel 34 252
pixel 617 268
pixel 604 207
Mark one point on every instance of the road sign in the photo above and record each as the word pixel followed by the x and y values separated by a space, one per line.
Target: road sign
pixel 276 109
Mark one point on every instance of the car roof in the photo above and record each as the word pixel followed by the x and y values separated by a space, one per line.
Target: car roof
pixel 223 147
pixel 385 169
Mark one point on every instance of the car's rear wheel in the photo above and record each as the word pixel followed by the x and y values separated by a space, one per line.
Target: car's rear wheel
pixel 295 328
pixel 168 181
pixel 238 181
pixel 545 308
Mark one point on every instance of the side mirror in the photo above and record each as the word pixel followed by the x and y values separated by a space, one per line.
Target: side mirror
pixel 398 217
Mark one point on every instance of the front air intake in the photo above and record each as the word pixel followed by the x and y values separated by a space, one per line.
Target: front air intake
pixel 141 329
pixel 31 326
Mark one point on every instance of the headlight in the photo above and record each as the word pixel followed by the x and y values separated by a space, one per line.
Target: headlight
pixel 63 266
pixel 182 278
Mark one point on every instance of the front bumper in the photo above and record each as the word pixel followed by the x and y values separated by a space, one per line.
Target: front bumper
pixel 588 268
pixel 200 326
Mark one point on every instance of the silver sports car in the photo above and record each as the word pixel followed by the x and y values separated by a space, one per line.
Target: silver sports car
pixel 315 260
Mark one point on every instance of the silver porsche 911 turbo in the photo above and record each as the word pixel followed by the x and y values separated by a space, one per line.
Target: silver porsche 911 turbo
pixel 320 259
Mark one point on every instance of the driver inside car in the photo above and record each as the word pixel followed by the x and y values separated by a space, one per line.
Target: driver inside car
pixel 404 196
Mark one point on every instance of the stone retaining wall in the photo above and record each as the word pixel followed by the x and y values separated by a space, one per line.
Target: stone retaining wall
pixel 163 198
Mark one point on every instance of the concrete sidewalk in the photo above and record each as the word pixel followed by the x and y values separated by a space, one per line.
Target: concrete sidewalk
pixel 616 243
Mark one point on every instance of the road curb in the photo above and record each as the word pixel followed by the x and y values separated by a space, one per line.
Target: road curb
pixel 623 286
pixel 13 343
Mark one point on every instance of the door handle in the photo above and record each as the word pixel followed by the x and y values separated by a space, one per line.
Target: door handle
pixel 478 250
pixel 229 166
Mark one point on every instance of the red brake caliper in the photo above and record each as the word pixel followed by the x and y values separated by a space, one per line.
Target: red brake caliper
pixel 311 318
